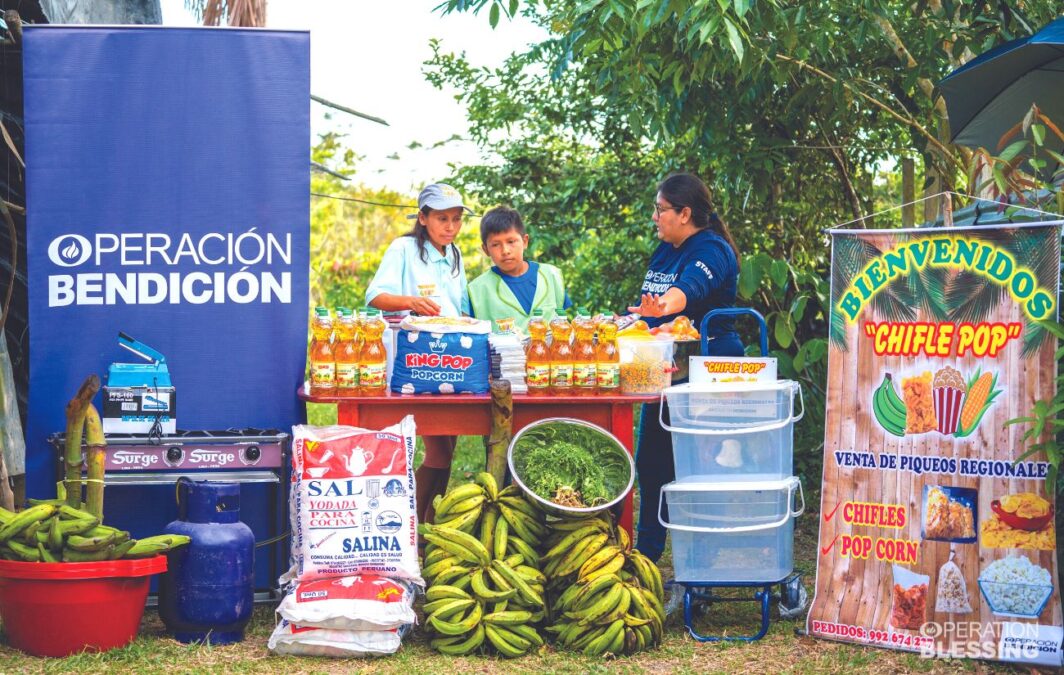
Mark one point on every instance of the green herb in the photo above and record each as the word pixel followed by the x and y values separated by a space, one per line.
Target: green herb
pixel 571 464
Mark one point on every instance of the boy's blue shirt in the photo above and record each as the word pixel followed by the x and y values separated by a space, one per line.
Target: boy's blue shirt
pixel 524 286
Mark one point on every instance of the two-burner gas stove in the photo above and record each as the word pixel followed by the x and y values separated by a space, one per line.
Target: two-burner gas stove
pixel 235 455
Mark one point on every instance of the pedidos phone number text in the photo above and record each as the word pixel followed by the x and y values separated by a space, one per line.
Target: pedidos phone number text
pixel 879 637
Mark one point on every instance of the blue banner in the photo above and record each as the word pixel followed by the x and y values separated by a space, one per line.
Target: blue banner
pixel 168 198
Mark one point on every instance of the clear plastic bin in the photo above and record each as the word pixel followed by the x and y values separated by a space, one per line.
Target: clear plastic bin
pixel 732 531
pixel 646 363
pixel 733 431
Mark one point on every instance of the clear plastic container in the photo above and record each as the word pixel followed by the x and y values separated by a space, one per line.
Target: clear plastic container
pixel 732 531
pixel 733 431
pixel 1025 601
pixel 646 363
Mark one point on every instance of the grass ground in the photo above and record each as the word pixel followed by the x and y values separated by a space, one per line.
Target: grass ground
pixel 783 650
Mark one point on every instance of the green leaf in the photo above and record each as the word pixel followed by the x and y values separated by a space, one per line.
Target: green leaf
pixel 999 179
pixel 1054 328
pixel 783 330
pixel 493 16
pixel 741 7
pixel 784 363
pixel 818 350
pixel 749 279
pixel 778 273
pixel 810 354
pixel 1014 149
pixel 798 307
pixel 1038 132
pixel 734 40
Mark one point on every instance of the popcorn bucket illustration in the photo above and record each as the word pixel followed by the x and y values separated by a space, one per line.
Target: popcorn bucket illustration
pixel 947 393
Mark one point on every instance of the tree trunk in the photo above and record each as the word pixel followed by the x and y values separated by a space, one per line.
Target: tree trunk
pixel 502 421
pixel 908 192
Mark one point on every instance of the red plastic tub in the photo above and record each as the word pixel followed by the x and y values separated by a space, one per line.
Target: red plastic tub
pixel 58 609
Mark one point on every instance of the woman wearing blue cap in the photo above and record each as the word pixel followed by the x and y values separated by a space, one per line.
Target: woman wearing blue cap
pixel 422 272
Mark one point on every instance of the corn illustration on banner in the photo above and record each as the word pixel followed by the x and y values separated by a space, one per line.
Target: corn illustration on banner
pixel 937 530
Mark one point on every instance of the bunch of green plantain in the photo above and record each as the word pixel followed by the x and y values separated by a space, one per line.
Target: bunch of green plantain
pixel 606 597
pixel 52 531
pixel 482 569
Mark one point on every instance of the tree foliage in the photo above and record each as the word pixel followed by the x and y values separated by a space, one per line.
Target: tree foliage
pixel 788 109
pixel 352 225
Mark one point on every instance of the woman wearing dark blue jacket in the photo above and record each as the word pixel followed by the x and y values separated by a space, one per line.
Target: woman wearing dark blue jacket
pixel 693 270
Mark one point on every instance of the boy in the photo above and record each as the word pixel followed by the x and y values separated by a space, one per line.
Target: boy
pixel 514 287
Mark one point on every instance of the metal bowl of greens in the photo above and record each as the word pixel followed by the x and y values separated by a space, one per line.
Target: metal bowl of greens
pixel 570 466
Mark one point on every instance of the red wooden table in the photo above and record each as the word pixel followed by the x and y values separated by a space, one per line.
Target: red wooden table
pixel 470 415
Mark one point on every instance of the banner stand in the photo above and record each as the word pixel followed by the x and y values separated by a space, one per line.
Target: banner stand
pixel 937 533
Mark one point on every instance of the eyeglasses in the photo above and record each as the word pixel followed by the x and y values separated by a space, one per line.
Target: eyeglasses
pixel 658 209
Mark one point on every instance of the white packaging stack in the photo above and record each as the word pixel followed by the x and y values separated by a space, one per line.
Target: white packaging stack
pixel 354 545
pixel 508 360
pixel 365 602
pixel 294 640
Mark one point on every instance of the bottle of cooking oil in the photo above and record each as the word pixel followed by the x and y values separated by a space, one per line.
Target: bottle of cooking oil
pixel 561 357
pixel 359 319
pixel 607 358
pixel 584 379
pixel 537 356
pixel 322 363
pixel 373 360
pixel 345 351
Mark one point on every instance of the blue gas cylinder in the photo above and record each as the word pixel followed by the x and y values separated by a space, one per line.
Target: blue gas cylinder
pixel 207 594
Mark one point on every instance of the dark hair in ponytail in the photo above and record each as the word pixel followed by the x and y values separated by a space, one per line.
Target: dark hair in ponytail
pixel 687 190
pixel 420 233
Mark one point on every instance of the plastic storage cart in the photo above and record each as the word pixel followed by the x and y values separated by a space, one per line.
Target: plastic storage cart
pixel 732 507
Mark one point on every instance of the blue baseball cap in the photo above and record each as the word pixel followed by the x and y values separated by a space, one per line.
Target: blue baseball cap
pixel 437 197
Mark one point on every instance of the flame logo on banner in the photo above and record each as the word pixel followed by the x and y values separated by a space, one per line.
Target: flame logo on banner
pixel 69 250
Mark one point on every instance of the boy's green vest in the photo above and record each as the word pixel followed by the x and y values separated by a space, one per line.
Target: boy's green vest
pixel 492 299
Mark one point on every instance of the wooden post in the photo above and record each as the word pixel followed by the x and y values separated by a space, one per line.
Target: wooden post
pixel 908 192
pixel 75 416
pixel 94 457
pixel 947 209
pixel 7 496
pixel 932 186
pixel 502 423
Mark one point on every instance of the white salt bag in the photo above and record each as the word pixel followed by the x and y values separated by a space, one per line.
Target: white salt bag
pixel 352 503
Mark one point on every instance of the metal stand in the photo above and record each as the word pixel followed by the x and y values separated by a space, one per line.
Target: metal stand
pixel 703 592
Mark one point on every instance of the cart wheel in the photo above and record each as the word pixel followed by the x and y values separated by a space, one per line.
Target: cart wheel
pixel 794 599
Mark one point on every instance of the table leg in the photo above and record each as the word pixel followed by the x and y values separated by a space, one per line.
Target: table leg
pixel 621 422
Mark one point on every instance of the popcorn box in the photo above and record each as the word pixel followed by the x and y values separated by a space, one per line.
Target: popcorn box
pixel 440 362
